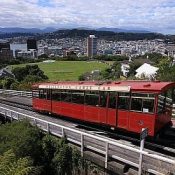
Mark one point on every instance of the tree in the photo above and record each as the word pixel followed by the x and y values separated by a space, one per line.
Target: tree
pixel 166 72
pixel 22 72
pixel 133 67
pixel 10 165
pixel 23 138
pixel 112 73
pixel 7 82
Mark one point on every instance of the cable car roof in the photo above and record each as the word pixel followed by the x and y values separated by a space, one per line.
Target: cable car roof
pixel 120 86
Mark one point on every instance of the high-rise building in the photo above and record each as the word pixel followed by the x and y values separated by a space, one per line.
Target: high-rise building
pixel 91 46
pixel 31 44
pixel 5 53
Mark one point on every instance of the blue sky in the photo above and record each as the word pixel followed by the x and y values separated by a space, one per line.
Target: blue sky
pixel 154 15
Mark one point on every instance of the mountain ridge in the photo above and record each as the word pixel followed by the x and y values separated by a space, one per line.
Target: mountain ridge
pixel 51 29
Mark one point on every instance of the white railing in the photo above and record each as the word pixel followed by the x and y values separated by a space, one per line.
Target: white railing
pixel 110 149
pixel 16 93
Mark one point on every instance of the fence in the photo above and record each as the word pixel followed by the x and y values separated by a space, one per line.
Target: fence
pixel 16 93
pixel 152 163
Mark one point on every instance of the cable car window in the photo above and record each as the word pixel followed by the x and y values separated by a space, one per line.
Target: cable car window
pixel 161 103
pixel 148 105
pixel 66 96
pixel 103 99
pixel 43 94
pixel 136 104
pixel 91 98
pixel 112 100
pixel 123 101
pixel 35 93
pixel 78 97
pixel 56 95
pixel 142 102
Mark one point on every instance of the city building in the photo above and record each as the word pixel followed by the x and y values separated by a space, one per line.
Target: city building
pixel 30 54
pixel 91 46
pixel 5 53
pixel 31 44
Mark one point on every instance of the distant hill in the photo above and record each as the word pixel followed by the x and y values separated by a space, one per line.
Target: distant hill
pixel 108 35
pixel 117 30
pixel 50 33
pixel 26 30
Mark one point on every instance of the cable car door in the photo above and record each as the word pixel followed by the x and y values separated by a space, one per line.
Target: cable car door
pixel 102 110
pixel 123 102
pixel 111 110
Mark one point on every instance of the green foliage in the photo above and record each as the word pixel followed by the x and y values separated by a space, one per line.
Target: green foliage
pixel 33 150
pixel 24 139
pixel 134 66
pixel 30 70
pixel 111 57
pixel 112 73
pixel 10 165
pixel 63 160
pixel 166 72
pixel 7 82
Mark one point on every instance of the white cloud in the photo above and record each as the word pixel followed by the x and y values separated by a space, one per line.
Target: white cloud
pixel 157 15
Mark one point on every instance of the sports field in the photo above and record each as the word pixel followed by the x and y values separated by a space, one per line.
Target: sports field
pixel 67 70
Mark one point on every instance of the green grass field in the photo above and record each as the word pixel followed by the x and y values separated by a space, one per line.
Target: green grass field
pixel 67 70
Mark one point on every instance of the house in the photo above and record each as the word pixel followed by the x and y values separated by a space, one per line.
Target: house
pixel 5 73
pixel 125 67
pixel 146 71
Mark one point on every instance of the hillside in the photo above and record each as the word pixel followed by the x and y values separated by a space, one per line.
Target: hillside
pixel 108 35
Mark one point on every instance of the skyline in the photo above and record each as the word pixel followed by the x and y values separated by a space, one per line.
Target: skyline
pixel 151 15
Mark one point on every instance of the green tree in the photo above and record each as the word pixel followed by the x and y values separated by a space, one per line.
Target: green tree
pixel 10 165
pixel 33 70
pixel 24 139
pixel 166 71
pixel 7 82
pixel 62 161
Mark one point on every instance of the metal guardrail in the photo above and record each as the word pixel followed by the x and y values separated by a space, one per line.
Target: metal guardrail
pixel 16 93
pixel 99 145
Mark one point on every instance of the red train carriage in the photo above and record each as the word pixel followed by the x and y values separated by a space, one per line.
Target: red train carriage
pixel 128 105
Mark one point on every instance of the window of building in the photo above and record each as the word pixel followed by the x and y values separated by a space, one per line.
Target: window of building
pixel 123 101
pixel 92 98
pixel 112 100
pixel 56 95
pixel 78 97
pixel 103 99
pixel 66 96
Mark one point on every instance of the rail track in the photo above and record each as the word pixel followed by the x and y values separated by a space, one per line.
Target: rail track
pixel 164 146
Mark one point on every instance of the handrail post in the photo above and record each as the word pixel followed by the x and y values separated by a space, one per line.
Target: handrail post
pixel 63 134
pixel 106 156
pixel 5 114
pixel 17 116
pixel 48 128
pixel 82 144
pixel 35 122
pixel 11 118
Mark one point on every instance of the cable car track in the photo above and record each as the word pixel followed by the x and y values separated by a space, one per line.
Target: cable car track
pixel 163 147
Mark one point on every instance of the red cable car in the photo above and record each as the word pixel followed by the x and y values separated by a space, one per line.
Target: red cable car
pixel 127 105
